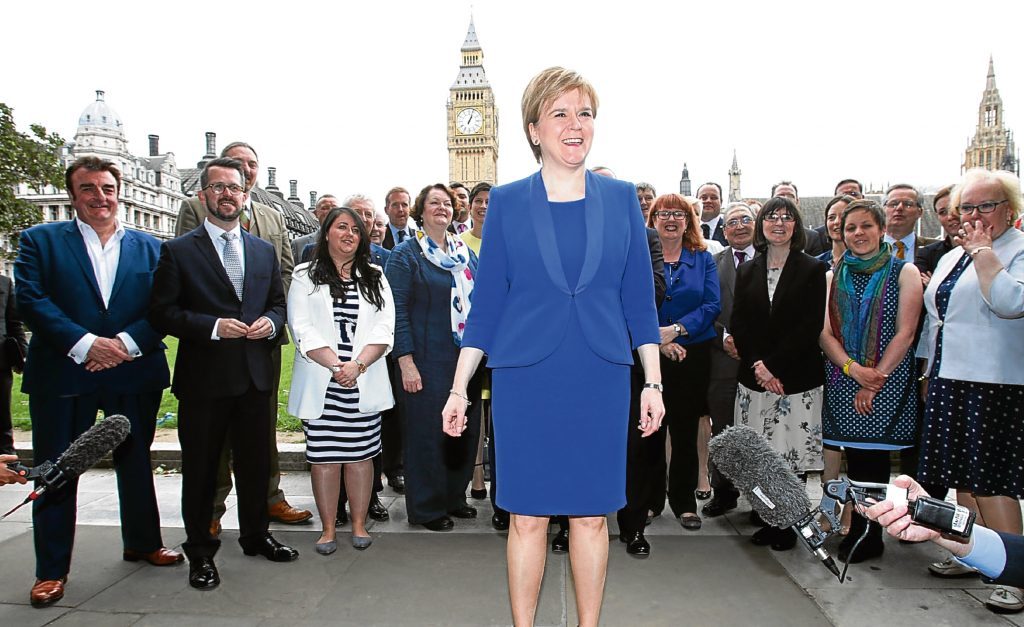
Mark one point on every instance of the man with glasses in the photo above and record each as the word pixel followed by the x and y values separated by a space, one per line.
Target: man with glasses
pixel 267 224
pixel 646 194
pixel 903 209
pixel 218 290
pixel 739 233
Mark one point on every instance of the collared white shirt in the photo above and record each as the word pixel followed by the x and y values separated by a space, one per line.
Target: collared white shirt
pixel 712 225
pixel 909 242
pixel 104 259
pixel 749 251
pixel 410 228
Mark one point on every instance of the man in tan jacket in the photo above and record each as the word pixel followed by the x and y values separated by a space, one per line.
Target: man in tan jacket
pixel 267 224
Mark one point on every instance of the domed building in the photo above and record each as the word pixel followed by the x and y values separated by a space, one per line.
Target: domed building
pixel 150 186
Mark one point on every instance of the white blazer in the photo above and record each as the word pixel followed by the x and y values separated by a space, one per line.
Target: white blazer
pixel 983 339
pixel 311 320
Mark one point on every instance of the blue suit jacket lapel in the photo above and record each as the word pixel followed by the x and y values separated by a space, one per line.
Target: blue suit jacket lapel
pixel 129 248
pixel 544 227
pixel 251 263
pixel 76 245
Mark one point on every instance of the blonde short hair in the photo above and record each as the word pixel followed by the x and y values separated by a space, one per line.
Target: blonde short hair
pixel 544 88
pixel 1007 180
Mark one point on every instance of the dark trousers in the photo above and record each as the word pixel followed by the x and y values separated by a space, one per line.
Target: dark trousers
pixel 390 460
pixel 722 405
pixel 686 390
pixel 6 428
pixel 56 422
pixel 274 493
pixel 205 426
pixel 645 463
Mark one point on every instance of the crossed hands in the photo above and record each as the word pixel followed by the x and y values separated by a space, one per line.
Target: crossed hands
pixel 106 353
pixel 767 380
pixel 230 328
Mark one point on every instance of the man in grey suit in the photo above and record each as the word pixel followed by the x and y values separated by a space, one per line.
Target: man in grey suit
pixel 321 209
pixel 267 224
pixel 739 233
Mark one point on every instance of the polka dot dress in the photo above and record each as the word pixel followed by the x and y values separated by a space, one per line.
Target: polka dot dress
pixel 892 422
pixel 973 435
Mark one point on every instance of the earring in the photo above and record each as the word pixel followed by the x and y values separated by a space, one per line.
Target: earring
pixel 536 142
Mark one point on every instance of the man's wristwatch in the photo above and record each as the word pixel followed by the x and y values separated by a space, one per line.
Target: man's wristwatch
pixel 654 386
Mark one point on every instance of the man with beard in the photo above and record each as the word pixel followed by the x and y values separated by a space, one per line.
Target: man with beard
pixel 218 290
pixel 267 224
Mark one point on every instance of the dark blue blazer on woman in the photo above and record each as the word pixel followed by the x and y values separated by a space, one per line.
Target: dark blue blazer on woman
pixel 693 300
pixel 522 299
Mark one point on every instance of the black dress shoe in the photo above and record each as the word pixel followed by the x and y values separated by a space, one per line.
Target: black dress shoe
pixel 397 483
pixel 560 543
pixel 638 545
pixel 717 506
pixel 785 540
pixel 271 549
pixel 377 510
pixel 440 524
pixel 341 519
pixel 500 520
pixel 465 511
pixel 202 573
pixel 765 536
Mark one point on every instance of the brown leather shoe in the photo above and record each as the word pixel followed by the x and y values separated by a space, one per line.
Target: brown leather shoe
pixel 48 591
pixel 284 513
pixel 159 557
pixel 215 528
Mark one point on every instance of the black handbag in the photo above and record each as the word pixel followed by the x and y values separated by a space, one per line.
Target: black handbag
pixel 14 353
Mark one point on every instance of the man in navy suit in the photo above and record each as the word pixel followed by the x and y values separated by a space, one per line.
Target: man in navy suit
pixel 219 290
pixel 396 205
pixel 83 287
pixel 710 196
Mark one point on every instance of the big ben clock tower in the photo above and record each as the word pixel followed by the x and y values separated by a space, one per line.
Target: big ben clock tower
pixel 472 120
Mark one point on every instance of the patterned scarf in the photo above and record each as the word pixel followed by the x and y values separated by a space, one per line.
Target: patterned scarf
pixel 455 261
pixel 857 322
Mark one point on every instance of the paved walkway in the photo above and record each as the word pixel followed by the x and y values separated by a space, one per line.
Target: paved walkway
pixel 411 576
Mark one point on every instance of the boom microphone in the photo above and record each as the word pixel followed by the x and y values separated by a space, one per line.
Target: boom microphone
pixel 768 482
pixel 84 453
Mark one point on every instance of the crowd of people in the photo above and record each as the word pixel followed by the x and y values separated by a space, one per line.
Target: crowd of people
pixel 428 347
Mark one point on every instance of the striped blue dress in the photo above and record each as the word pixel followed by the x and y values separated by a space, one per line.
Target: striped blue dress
pixel 342 434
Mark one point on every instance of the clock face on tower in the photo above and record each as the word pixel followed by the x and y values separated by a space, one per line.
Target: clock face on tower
pixel 469 121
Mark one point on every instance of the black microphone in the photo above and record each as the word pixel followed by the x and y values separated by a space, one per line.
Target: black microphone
pixel 771 486
pixel 84 453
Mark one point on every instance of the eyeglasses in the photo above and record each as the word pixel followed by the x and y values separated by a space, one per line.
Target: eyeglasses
pixel 220 188
pixel 779 217
pixel 735 222
pixel 665 215
pixel 985 207
pixel 909 204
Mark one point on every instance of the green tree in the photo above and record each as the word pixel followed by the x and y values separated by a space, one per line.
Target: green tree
pixel 33 159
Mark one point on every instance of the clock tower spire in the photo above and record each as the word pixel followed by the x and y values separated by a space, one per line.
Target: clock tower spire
pixel 472 119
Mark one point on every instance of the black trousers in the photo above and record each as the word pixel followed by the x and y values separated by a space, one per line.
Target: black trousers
pixel 56 422
pixel 391 461
pixel 686 391
pixel 722 404
pixel 645 463
pixel 205 426
pixel 6 427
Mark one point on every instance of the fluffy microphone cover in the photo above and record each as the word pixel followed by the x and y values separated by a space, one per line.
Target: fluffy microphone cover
pixel 91 446
pixel 760 473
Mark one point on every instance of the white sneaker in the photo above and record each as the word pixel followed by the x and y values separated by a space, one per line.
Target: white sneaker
pixel 1005 601
pixel 950 568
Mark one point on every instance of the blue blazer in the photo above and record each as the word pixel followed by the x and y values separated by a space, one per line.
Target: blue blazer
pixel 1013 572
pixel 59 299
pixel 692 297
pixel 522 302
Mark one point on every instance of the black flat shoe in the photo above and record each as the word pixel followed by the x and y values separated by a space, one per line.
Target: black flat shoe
pixel 690 521
pixel 717 506
pixel 479 495
pixel 764 536
pixel 202 573
pixel 500 521
pixel 271 549
pixel 785 540
pixel 466 511
pixel 560 543
pixel 397 483
pixel 440 524
pixel 377 511
pixel 341 519
pixel 638 545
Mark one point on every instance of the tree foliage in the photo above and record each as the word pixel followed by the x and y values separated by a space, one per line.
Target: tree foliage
pixel 33 159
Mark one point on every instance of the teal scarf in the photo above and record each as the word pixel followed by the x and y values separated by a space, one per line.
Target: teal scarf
pixel 857 322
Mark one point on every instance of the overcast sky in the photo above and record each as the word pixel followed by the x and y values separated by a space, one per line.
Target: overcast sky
pixel 351 96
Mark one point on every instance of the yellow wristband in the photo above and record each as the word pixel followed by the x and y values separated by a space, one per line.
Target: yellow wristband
pixel 846 366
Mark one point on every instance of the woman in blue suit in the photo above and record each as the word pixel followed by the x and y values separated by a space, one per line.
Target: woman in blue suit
pixel 557 309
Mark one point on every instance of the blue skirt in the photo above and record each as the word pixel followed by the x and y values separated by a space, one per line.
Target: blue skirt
pixel 560 429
